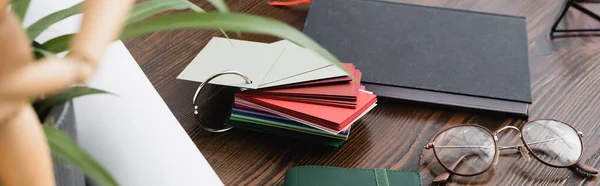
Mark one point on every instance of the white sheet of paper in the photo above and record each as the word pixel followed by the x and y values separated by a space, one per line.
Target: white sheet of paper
pixel 133 135
pixel 252 59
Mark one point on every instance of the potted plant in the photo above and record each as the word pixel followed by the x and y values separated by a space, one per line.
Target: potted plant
pixel 83 56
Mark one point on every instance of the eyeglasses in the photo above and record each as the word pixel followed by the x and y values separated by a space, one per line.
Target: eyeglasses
pixel 469 150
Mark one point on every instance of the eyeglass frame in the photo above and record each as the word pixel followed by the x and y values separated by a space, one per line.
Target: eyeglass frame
pixel 445 175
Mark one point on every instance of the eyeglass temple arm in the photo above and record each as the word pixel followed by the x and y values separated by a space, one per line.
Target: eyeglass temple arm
pixel 586 168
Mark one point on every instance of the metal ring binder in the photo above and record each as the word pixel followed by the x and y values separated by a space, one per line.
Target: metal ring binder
pixel 226 127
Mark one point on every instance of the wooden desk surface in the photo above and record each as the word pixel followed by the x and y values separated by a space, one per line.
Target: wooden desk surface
pixel 565 83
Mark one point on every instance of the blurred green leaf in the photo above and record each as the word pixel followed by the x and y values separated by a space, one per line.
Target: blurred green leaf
pixel 62 146
pixel 220 5
pixel 195 7
pixel 38 51
pixel 227 21
pixel 41 53
pixel 146 9
pixel 42 107
pixel 140 11
pixel 210 20
pixel 41 25
pixel 150 8
pixel 58 44
pixel 19 7
pixel 60 161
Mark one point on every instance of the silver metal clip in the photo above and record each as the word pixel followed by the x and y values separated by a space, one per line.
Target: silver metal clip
pixel 225 126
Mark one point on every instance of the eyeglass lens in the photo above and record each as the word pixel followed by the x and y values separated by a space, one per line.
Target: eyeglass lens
pixel 553 142
pixel 465 149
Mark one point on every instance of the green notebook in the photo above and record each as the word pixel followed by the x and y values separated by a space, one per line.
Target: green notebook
pixel 334 176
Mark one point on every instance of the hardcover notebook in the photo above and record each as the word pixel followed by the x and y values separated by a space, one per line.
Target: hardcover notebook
pixel 426 54
pixel 334 176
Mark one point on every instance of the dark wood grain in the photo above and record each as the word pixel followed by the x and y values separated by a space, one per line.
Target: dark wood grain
pixel 565 85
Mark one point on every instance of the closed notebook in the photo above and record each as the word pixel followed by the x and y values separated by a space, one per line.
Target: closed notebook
pixel 429 54
pixel 337 176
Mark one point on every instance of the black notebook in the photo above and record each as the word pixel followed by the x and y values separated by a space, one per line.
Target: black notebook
pixel 427 54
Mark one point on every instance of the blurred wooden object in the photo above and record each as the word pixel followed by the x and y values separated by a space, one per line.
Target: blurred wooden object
pixel 25 157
